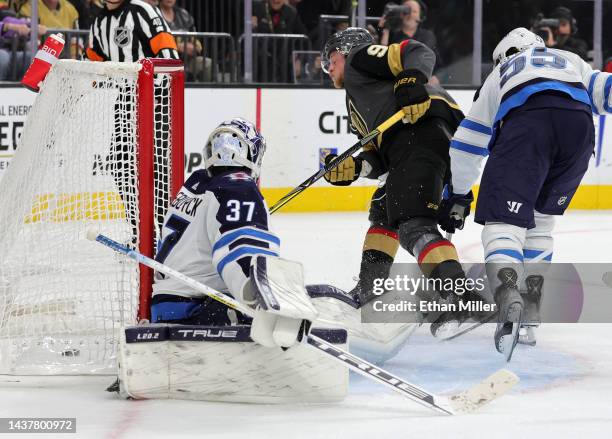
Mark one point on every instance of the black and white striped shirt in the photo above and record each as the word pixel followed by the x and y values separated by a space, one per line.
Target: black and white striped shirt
pixel 133 31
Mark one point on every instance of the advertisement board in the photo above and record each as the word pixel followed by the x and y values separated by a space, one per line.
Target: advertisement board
pixel 301 126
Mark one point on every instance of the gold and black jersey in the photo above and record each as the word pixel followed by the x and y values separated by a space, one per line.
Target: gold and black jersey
pixel 369 76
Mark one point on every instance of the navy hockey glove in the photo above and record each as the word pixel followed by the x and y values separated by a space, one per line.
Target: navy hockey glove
pixel 411 95
pixel 453 211
pixel 345 173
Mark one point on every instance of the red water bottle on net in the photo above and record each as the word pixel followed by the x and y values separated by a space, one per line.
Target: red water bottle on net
pixel 46 56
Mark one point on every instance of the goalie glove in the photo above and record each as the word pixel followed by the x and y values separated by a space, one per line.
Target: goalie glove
pixel 411 95
pixel 283 308
pixel 345 173
pixel 271 330
pixel 453 211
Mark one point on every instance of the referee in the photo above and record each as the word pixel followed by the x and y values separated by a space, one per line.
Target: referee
pixel 128 31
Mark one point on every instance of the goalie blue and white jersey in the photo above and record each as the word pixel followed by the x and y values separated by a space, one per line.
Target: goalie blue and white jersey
pixel 509 86
pixel 212 229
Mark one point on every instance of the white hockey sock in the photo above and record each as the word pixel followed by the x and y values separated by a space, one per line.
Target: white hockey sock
pixel 503 247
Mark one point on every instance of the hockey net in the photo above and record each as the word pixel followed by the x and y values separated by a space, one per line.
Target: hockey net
pixel 102 147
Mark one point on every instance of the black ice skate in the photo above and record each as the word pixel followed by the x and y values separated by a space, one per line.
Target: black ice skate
pixel 510 306
pixel 532 299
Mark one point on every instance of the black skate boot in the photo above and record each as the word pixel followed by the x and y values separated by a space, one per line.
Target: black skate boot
pixel 374 265
pixel 510 308
pixel 532 299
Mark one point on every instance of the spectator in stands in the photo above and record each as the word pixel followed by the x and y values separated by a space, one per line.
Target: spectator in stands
pixel 406 26
pixel 14 50
pixel 276 17
pixel 565 34
pixel 273 62
pixel 88 10
pixel 310 11
pixel 178 19
pixel 190 49
pixel 307 69
pixel 60 14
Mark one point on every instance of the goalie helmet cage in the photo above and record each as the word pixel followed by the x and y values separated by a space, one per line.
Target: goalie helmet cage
pixel 102 147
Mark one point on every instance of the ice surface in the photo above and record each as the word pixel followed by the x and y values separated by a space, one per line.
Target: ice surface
pixel 565 389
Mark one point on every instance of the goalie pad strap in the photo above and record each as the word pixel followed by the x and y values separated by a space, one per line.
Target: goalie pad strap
pixel 232 334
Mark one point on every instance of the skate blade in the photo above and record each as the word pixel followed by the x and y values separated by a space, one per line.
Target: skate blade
pixel 446 329
pixel 465 327
pixel 508 342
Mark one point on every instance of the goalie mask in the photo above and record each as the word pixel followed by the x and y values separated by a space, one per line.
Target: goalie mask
pixel 235 143
pixel 343 42
pixel 517 40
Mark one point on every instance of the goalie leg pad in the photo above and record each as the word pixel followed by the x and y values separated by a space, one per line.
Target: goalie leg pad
pixel 374 342
pixel 221 363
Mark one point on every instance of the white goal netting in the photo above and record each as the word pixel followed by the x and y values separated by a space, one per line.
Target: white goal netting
pixel 62 297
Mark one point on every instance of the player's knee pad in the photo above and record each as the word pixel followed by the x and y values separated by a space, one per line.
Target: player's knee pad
pixel 437 256
pixel 416 233
pixel 503 243
pixel 539 240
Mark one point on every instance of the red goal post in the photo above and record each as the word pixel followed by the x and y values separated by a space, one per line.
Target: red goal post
pixel 148 141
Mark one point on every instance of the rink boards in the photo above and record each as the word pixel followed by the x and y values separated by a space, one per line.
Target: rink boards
pixel 301 127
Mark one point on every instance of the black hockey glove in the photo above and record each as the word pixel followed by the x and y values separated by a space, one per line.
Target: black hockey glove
pixel 453 211
pixel 345 173
pixel 411 95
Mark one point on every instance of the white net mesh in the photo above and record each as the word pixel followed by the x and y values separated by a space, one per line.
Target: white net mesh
pixel 161 143
pixel 62 297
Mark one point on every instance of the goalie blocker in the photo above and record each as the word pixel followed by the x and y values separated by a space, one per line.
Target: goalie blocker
pixel 223 363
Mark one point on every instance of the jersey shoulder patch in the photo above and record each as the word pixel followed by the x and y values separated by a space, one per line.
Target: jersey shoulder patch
pixel 198 182
pixel 370 60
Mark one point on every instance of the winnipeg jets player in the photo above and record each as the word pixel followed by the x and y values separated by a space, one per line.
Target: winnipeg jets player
pixel 217 226
pixel 213 229
pixel 532 117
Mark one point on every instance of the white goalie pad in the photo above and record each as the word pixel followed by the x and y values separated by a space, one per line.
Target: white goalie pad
pixel 279 286
pixel 374 342
pixel 213 363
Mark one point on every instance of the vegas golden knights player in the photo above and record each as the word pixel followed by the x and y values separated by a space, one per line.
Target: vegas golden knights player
pixel 380 80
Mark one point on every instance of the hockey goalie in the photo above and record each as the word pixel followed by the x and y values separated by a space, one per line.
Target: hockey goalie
pixel 216 232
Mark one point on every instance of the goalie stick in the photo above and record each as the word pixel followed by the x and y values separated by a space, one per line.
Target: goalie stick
pixel 331 165
pixel 485 391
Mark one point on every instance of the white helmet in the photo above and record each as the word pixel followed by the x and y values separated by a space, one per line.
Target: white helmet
pixel 517 40
pixel 235 143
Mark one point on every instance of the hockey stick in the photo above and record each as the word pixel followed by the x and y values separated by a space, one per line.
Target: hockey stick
pixel 490 388
pixel 331 165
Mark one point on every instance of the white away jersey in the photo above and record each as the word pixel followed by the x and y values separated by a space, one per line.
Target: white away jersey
pixel 212 229
pixel 509 86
